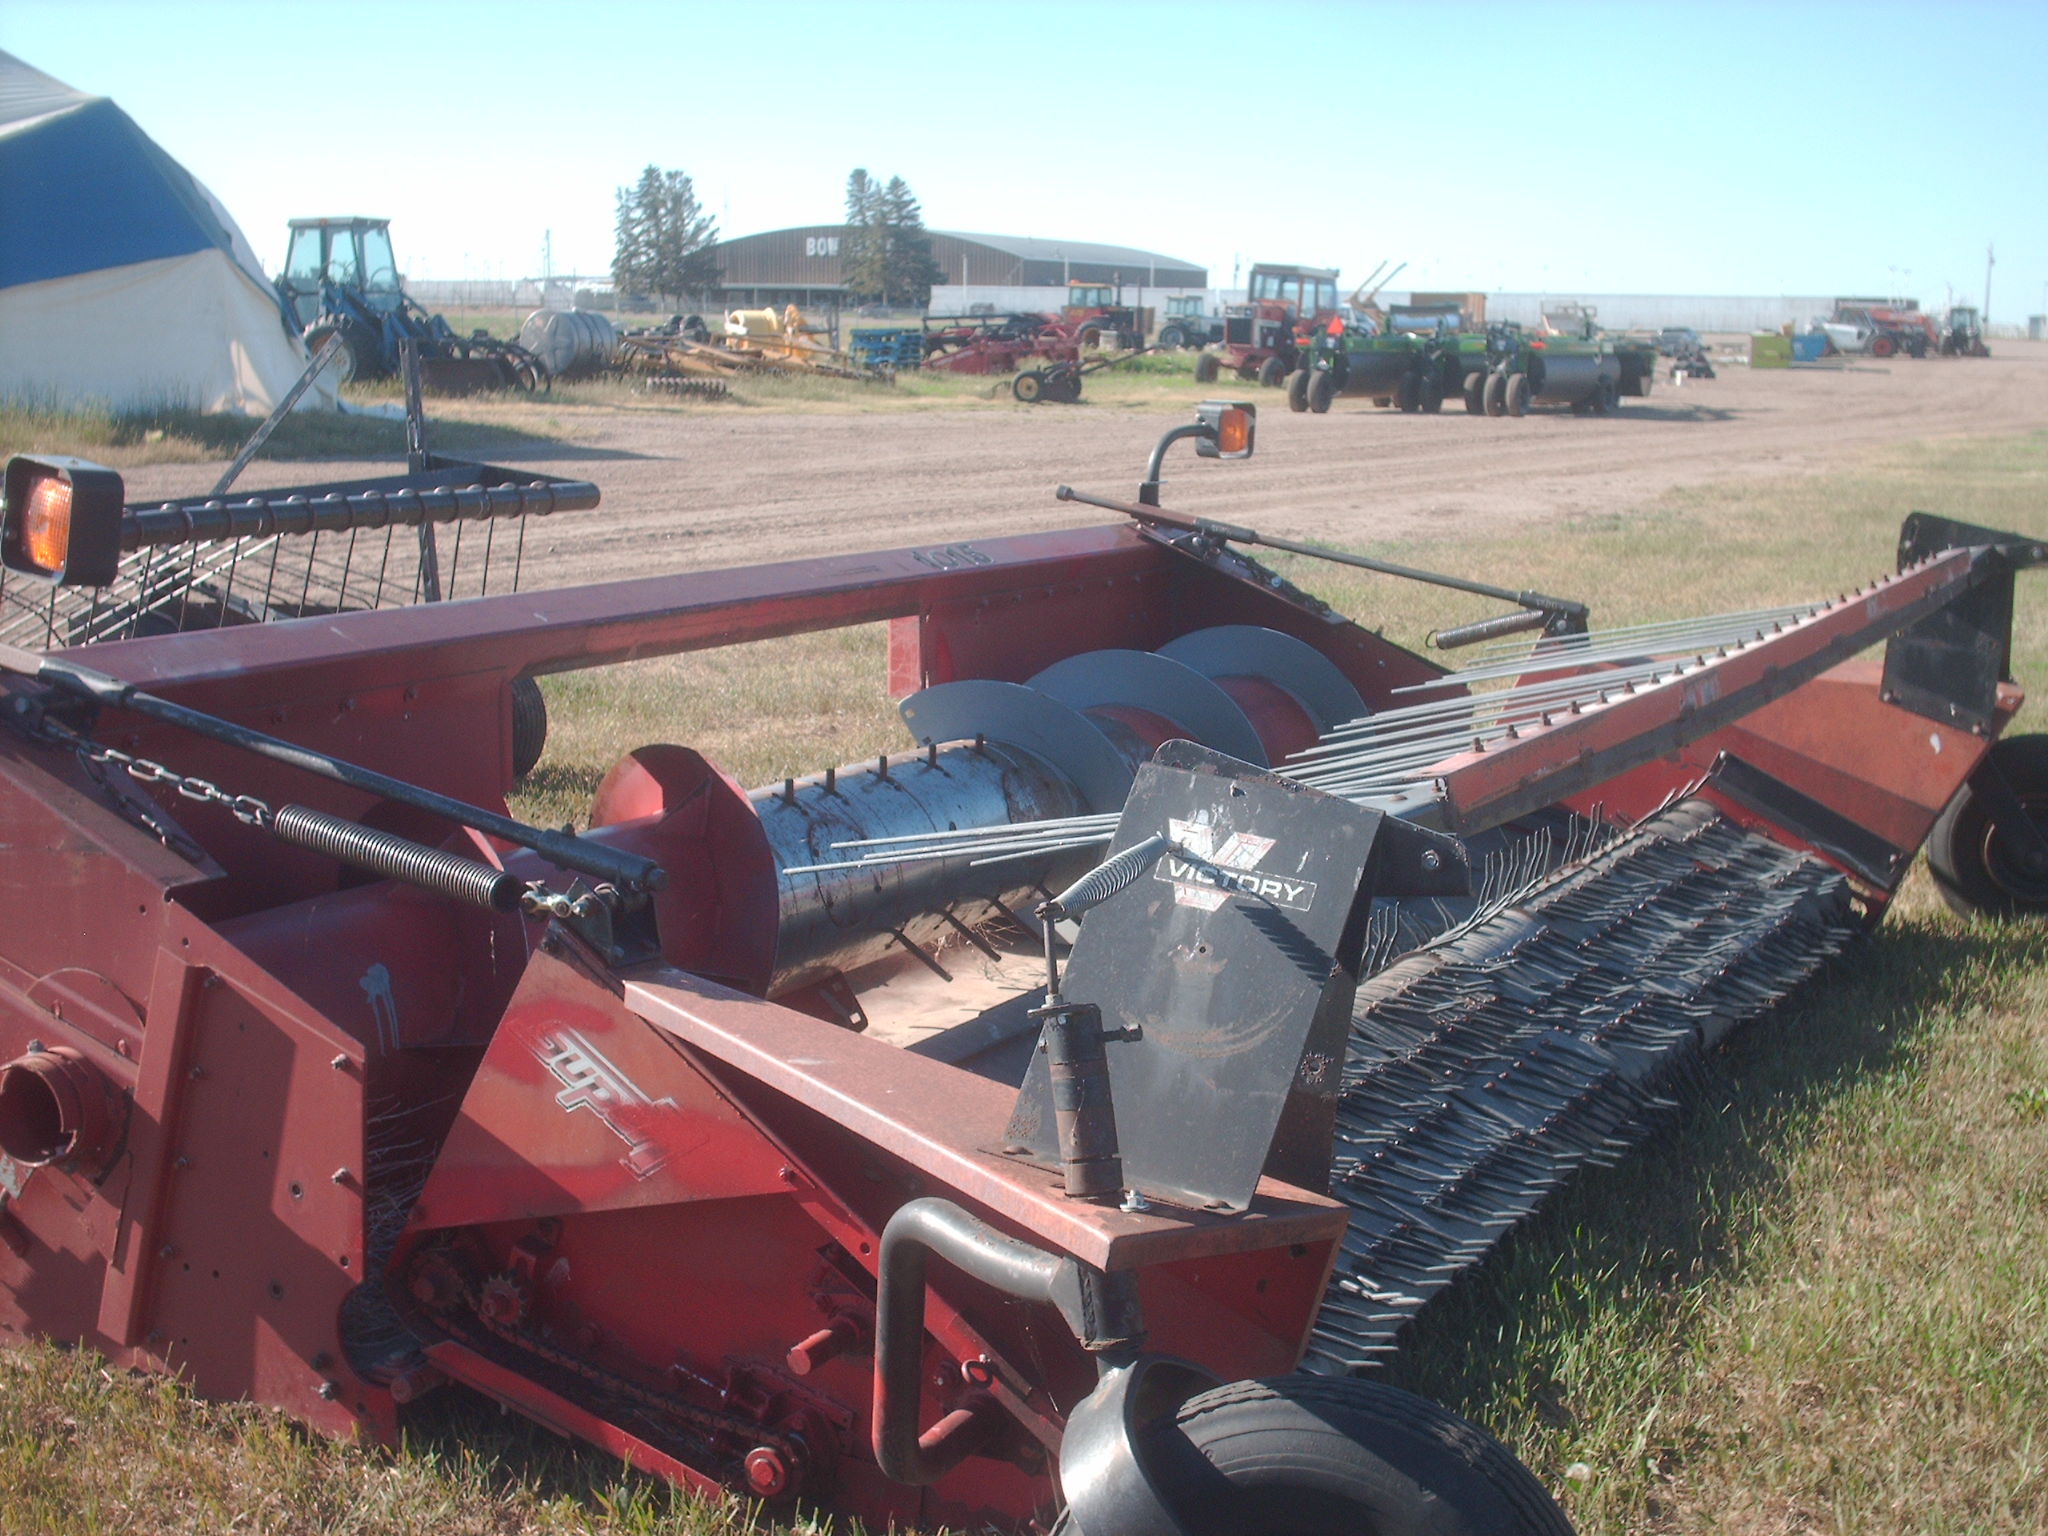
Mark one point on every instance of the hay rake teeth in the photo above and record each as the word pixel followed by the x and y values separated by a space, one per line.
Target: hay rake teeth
pixel 803 1142
pixel 1491 1063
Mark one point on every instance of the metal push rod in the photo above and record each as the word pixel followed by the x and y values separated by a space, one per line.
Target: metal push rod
pixel 1561 607
pixel 628 871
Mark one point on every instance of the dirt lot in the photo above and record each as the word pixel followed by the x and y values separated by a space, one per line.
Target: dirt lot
pixel 714 485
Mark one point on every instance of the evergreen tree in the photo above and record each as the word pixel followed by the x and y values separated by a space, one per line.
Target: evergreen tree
pixel 864 255
pixel 909 270
pixel 887 255
pixel 663 238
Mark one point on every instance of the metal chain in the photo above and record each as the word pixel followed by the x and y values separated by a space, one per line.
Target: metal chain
pixel 246 809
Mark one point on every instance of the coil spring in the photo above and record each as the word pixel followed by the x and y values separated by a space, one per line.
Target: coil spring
pixel 398 858
pixel 1109 877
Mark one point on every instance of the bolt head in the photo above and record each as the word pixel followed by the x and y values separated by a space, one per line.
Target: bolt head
pixel 767 1472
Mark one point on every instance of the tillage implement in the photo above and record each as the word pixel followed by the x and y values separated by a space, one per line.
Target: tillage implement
pixel 1044 1124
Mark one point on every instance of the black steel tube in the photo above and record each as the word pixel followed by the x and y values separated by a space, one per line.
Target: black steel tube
pixel 1148 493
pixel 936 1226
pixel 250 517
pixel 1488 629
pixel 1083 1108
pixel 398 858
pixel 628 871
pixel 1238 535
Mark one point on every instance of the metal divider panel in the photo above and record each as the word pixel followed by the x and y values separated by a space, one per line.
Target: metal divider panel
pixel 1217 962
pixel 1145 680
pixel 1054 732
pixel 1239 650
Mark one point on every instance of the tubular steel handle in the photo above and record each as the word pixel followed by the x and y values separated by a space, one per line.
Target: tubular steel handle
pixel 398 858
pixel 1102 1310
pixel 1487 629
pixel 933 1225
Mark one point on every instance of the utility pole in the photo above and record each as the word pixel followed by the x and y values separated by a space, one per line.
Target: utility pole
pixel 1990 261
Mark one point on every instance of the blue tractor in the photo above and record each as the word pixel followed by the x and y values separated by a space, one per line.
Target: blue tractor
pixel 340 279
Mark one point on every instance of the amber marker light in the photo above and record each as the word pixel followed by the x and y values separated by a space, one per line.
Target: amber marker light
pixel 60 519
pixel 1231 424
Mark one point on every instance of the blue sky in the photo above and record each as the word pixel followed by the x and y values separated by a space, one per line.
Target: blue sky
pixel 1608 147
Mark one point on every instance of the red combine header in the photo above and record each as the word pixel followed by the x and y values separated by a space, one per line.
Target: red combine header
pixel 324 1080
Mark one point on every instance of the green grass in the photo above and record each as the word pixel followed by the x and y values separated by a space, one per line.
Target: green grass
pixel 175 434
pixel 1818 1302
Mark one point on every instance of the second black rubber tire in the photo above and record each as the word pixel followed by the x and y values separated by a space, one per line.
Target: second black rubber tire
pixel 1974 873
pixel 1316 1456
pixel 529 725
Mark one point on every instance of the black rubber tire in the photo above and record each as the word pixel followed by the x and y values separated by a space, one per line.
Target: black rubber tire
pixel 1882 346
pixel 358 359
pixel 529 725
pixel 1496 396
pixel 1297 388
pixel 1322 390
pixel 1207 366
pixel 1407 394
pixel 1976 873
pixel 1515 395
pixel 1429 394
pixel 1475 394
pixel 1173 338
pixel 1064 386
pixel 1338 1456
pixel 694 329
pixel 1028 386
pixel 1272 373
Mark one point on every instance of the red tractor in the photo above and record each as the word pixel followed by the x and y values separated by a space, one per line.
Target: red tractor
pixel 1097 316
pixel 1260 336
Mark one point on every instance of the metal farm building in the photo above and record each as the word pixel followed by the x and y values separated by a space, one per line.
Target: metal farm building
pixel 1654 311
pixel 805 266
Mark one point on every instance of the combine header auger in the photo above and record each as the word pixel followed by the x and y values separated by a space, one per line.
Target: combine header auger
pixel 324 1080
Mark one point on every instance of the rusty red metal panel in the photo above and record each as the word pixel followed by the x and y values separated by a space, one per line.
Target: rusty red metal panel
pixel 346 655
pixel 1638 723
pixel 557 1413
pixel 579 1106
pixel 949 1123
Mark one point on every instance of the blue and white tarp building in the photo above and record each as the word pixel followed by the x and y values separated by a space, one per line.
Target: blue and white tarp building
pixel 122 281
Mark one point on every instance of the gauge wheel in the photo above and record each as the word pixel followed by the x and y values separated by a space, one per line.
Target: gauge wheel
pixel 1322 389
pixel 1314 1456
pixel 1980 867
pixel 1297 388
pixel 1028 386
pixel 1475 393
pixel 1515 396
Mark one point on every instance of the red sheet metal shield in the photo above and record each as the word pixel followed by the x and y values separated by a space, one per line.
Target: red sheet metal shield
pixel 580 1106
